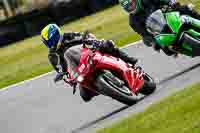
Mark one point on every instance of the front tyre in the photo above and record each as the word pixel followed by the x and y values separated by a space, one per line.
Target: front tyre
pixel 110 88
pixel 85 94
pixel 149 85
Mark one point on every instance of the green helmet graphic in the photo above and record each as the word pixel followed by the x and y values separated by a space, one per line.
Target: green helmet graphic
pixel 131 6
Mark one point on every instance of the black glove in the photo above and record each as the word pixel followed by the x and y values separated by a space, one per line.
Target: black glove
pixel 96 44
pixel 92 43
pixel 71 83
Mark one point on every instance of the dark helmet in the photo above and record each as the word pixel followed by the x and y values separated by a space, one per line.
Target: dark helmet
pixel 51 35
pixel 131 6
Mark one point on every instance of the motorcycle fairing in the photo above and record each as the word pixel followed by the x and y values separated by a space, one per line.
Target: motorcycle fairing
pixel 174 21
pixel 165 39
pixel 97 62
pixel 133 77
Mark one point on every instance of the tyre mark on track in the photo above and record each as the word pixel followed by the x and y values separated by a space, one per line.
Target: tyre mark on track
pixel 179 74
pixel 100 119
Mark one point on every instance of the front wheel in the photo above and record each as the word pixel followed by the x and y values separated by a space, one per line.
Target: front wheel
pixel 149 85
pixel 108 87
pixel 85 94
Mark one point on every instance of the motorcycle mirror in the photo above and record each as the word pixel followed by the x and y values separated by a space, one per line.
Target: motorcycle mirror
pixel 86 34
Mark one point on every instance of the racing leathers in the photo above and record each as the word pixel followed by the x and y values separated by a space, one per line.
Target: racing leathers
pixel 138 20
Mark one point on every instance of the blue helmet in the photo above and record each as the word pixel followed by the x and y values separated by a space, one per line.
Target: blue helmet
pixel 51 35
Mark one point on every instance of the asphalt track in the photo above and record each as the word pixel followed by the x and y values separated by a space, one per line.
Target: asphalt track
pixel 40 106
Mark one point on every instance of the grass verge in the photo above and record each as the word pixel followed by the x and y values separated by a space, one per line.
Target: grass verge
pixel 176 114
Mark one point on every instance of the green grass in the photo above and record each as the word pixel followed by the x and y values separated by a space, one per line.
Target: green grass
pixel 179 113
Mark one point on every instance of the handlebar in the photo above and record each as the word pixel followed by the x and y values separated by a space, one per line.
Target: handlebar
pixel 87 41
pixel 75 41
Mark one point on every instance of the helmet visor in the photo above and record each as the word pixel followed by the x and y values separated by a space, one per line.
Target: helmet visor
pixel 129 5
pixel 47 43
pixel 132 6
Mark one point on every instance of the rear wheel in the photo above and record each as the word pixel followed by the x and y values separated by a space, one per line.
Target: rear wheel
pixel 149 85
pixel 111 86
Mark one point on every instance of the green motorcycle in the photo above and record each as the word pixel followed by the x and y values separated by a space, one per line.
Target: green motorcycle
pixel 179 33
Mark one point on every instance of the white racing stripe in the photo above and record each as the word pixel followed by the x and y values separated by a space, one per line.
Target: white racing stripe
pixel 26 81
pixel 46 74
pixel 133 44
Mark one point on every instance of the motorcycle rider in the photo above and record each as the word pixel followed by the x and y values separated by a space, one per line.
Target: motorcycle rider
pixel 140 10
pixel 63 55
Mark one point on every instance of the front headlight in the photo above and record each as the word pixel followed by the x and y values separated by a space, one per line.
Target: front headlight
pixel 80 78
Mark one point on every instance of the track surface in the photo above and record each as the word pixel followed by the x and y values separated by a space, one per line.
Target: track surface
pixel 40 106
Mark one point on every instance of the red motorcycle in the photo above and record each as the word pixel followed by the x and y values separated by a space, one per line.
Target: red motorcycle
pixel 110 76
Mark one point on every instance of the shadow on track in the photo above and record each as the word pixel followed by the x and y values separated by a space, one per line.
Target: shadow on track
pixel 100 119
pixel 178 74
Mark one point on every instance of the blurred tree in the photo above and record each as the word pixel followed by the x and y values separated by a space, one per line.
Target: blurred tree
pixel 2 13
pixel 7 8
pixel 10 6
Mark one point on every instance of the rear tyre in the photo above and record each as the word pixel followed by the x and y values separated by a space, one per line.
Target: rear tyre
pixel 119 93
pixel 149 85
